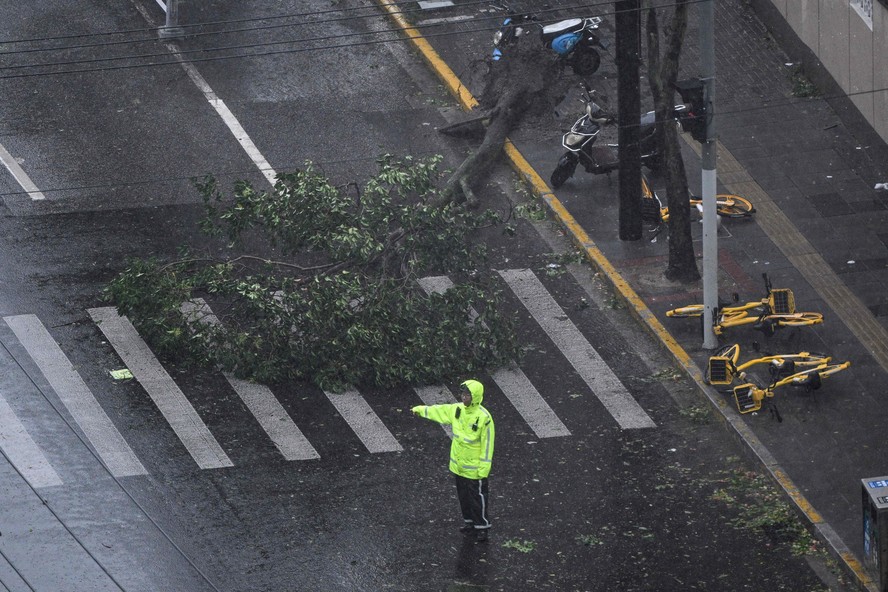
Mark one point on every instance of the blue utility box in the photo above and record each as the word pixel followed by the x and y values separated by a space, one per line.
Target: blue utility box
pixel 875 528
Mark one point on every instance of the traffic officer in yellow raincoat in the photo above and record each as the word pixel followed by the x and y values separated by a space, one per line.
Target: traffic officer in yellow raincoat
pixel 471 452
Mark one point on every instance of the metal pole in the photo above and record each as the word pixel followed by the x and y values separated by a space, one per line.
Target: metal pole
pixel 628 22
pixel 171 30
pixel 710 217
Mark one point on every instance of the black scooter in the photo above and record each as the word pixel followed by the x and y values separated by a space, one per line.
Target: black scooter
pixel 581 148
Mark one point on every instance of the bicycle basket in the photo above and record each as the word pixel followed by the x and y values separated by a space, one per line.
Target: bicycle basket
pixel 650 210
pixel 746 401
pixel 721 370
pixel 782 301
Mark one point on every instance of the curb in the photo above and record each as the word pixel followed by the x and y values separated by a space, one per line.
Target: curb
pixel 639 309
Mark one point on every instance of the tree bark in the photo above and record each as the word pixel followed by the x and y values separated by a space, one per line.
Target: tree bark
pixel 662 73
pixel 628 26
pixel 503 120
pixel 526 81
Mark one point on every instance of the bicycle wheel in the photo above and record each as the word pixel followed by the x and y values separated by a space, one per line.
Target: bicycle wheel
pixel 733 206
pixel 686 312
pixel 731 352
pixel 799 319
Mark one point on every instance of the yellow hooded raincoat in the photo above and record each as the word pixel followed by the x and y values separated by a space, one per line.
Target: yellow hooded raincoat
pixel 471 451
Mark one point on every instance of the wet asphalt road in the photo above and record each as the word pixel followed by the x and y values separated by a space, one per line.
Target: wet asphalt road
pixel 112 151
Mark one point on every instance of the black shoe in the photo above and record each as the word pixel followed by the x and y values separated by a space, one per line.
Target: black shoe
pixel 482 536
pixel 467 528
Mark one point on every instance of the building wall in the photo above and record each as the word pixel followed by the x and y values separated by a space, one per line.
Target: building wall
pixel 880 69
pixel 850 38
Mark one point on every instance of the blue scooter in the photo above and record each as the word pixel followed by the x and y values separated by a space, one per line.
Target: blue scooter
pixel 573 40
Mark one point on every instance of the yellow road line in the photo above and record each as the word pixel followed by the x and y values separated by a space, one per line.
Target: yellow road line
pixel 454 84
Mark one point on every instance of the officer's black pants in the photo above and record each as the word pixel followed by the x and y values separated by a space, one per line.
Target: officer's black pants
pixel 473 501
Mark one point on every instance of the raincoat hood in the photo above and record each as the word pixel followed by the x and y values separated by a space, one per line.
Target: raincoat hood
pixel 477 390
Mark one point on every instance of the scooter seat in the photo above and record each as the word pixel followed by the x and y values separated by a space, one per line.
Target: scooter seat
pixel 561 27
pixel 566 28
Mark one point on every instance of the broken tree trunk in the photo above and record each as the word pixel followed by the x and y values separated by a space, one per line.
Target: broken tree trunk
pixel 526 81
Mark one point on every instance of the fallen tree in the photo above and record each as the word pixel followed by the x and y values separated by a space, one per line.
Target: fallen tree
pixel 526 83
pixel 316 282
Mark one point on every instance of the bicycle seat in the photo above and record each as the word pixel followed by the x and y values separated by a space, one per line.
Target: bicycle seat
pixel 810 381
pixel 781 369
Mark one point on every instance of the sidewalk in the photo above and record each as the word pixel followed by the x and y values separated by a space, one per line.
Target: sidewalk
pixel 809 167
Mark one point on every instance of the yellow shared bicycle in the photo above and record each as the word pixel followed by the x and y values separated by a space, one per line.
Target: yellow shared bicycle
pixel 726 205
pixel 749 397
pixel 775 310
pixel 723 367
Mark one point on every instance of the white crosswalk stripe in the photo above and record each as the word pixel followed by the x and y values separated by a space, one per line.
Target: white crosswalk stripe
pixel 514 383
pixel 354 409
pixel 363 421
pixel 22 451
pixel 578 351
pixel 528 402
pixel 259 399
pixel 76 396
pixel 274 419
pixel 170 400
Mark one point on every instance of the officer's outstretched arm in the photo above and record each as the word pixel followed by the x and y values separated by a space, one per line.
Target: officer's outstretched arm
pixel 438 413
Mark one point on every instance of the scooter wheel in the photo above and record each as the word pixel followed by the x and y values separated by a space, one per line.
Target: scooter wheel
pixel 586 63
pixel 564 170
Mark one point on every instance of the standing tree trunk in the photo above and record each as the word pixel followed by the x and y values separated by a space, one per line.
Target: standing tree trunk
pixel 662 74
pixel 628 27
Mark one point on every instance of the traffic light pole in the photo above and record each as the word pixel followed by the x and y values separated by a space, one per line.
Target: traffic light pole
pixel 710 217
